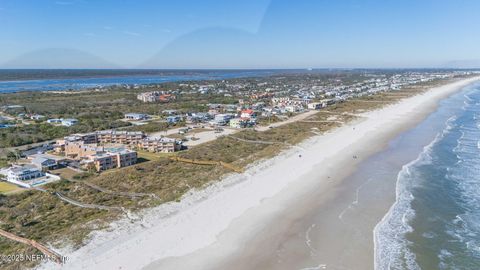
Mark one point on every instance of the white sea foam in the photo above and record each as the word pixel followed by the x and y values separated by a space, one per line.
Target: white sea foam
pixel 308 241
pixel 464 228
pixel 391 246
pixel 429 235
pixel 352 205
pixel 318 267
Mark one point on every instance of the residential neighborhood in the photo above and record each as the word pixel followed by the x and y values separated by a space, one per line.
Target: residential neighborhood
pixel 253 103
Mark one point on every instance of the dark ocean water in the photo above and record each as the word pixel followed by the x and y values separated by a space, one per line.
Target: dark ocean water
pixel 435 221
pixel 38 80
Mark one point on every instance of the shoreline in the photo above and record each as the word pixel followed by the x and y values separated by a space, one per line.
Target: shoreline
pixel 240 202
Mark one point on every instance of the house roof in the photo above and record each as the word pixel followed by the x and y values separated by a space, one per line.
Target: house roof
pixel 249 111
pixel 20 169
pixel 41 160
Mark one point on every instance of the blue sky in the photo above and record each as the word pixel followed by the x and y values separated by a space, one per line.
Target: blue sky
pixel 238 34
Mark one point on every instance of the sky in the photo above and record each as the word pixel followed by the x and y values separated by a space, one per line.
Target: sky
pixel 239 34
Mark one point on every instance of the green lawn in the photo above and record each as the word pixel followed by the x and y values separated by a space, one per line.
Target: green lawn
pixel 6 188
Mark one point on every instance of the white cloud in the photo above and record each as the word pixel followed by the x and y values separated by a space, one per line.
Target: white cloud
pixel 69 2
pixel 64 3
pixel 132 33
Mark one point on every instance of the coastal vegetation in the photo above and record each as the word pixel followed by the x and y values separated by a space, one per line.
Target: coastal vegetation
pixel 42 216
pixel 95 110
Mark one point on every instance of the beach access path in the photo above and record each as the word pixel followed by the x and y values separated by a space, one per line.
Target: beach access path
pixel 211 225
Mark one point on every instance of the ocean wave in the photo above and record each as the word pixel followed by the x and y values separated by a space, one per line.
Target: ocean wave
pixel 391 248
pixel 443 256
pixel 464 229
pixel 449 125
pixel 429 235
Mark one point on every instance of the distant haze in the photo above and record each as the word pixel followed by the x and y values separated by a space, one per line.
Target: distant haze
pixel 58 57
pixel 239 34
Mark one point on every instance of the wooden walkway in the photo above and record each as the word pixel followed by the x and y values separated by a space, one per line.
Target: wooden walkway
pixel 209 162
pixel 111 192
pixel 51 254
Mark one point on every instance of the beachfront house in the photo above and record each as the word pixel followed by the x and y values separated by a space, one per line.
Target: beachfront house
pixel 54 121
pixel 248 113
pixel 69 122
pixel 213 112
pixel 198 117
pixel 27 175
pixel 170 112
pixel 22 173
pixel 136 116
pixel 315 105
pixel 293 108
pixel 6 126
pixel 64 122
pixel 238 122
pixel 327 102
pixel 222 119
pixel 44 163
pixel 173 119
pixel 37 117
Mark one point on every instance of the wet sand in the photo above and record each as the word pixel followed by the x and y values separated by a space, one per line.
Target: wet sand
pixel 330 225
pixel 282 213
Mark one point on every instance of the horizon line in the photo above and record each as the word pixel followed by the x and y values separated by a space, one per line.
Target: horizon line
pixel 306 68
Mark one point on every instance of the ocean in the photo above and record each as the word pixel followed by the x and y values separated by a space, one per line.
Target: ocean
pixel 435 221
pixel 412 205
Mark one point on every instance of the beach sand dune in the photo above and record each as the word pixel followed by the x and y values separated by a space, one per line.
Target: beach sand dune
pixel 243 221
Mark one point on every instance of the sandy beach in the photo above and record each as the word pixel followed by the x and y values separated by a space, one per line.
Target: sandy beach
pixel 245 221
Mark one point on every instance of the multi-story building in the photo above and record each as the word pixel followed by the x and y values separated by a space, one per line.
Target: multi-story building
pixel 98 157
pixel 122 137
pixel 112 158
pixel 87 138
pixel 79 150
pixel 84 146
pixel 164 145
pixel 155 96
pixel 105 136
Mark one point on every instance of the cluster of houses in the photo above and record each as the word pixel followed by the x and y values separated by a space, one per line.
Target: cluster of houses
pixel 5 123
pixel 96 151
pixel 64 122
pixel 155 96
pixel 103 150
pixel 16 115
pixel 34 171
pixel 239 115
pixel 225 115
